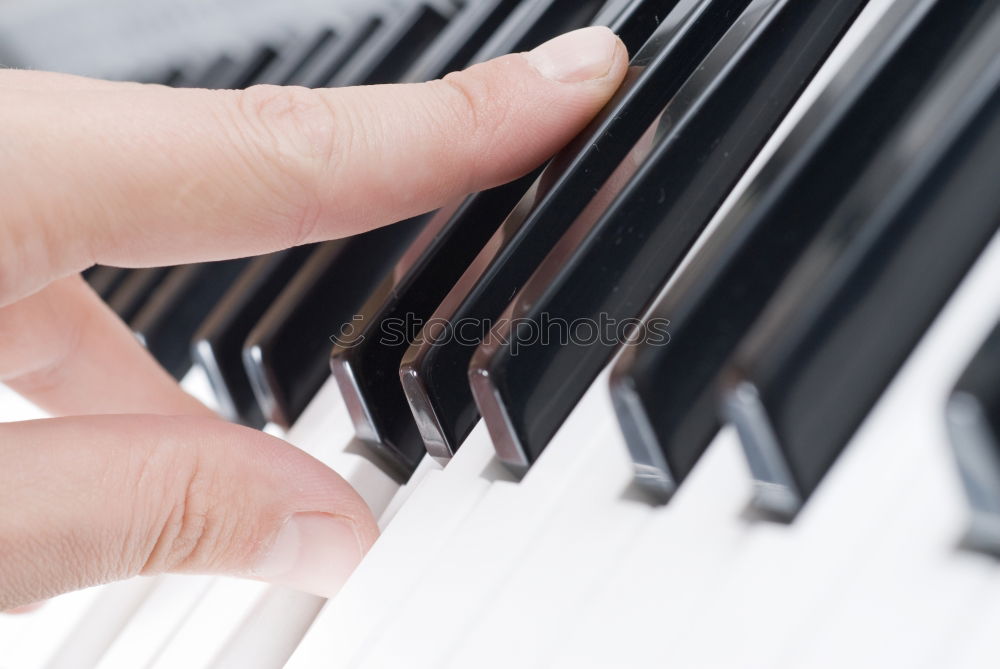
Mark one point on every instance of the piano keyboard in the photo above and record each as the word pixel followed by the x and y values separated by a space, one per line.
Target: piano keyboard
pixel 787 454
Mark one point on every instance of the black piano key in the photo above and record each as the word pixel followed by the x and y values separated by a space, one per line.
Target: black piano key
pixel 536 22
pixel 605 271
pixel 366 360
pixel 666 395
pixel 133 292
pixel 291 61
pixel 105 280
pixel 888 258
pixel 612 10
pixel 248 70
pixel 166 323
pixel 386 57
pixel 450 242
pixel 286 354
pixel 218 344
pixel 973 419
pixel 335 54
pixel 459 42
pixel 217 74
pixel 434 371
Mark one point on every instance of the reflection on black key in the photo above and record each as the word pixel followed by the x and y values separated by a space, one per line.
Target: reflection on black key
pixel 434 371
pixel 974 427
pixel 387 56
pixel 166 323
pixel 460 41
pixel 334 55
pixel 105 280
pixel 886 261
pixel 666 396
pixel 218 344
pixel 287 353
pixel 583 301
pixel 289 64
pixel 133 292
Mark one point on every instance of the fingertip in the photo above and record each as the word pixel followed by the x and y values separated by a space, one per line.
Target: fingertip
pixel 593 54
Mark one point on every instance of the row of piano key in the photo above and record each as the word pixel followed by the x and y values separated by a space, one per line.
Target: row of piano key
pixel 813 281
pixel 751 66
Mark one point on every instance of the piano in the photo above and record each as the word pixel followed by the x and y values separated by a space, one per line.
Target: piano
pixel 730 395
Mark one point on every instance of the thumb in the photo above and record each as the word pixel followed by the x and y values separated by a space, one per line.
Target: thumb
pixel 246 172
pixel 89 500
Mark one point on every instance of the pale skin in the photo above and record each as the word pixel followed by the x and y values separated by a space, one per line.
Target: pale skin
pixel 132 475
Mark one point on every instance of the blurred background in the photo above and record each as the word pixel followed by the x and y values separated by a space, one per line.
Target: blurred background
pixel 156 39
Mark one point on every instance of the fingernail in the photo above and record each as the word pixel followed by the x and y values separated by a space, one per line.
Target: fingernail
pixel 581 55
pixel 313 552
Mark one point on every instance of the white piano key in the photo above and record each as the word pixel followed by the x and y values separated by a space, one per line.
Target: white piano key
pixel 83 647
pixel 476 561
pixel 32 639
pixel 650 592
pixel 281 617
pixel 426 466
pixel 587 532
pixel 154 621
pixel 917 581
pixel 13 627
pixel 421 527
pixel 14 408
pixel 974 643
pixel 216 619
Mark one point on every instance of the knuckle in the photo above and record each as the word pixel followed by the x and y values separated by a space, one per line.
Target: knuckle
pixel 475 109
pixel 294 135
pixel 191 529
pixel 470 98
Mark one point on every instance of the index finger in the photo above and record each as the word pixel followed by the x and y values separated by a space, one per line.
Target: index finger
pixel 139 176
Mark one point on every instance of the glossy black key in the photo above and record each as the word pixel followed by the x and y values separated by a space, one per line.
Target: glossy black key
pixel 134 290
pixel 666 396
pixel 335 54
pixel 869 286
pixel 459 42
pixel 539 360
pixel 366 359
pixel 435 261
pixel 536 22
pixel 386 57
pixel 217 346
pixel 379 409
pixel 973 415
pixel 434 371
pixel 612 10
pixel 178 306
pixel 290 62
pixel 105 280
pixel 287 353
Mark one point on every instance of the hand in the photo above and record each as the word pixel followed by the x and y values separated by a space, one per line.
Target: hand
pixel 137 477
